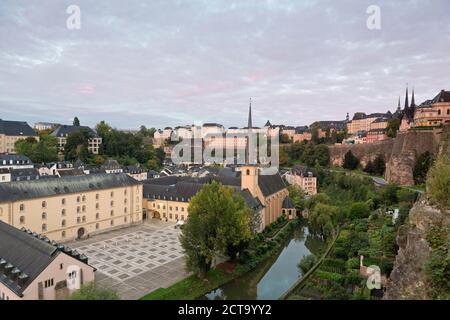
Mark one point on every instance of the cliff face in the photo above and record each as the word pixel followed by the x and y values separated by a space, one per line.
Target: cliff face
pixel 399 153
pixel 407 279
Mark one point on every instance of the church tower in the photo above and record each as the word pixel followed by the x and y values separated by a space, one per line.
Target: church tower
pixel 406 99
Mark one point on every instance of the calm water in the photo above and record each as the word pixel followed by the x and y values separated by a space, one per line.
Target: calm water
pixel 272 278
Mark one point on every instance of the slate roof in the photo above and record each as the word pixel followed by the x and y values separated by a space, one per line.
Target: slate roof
pixel 65 130
pixel 442 96
pixel 270 184
pixel 27 254
pixel 15 158
pixel 22 174
pixel 16 128
pixel 287 203
pixel 14 191
pixel 70 172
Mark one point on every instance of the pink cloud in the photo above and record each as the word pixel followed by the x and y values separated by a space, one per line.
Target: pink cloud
pixel 87 88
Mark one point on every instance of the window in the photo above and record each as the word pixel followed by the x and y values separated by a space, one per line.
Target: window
pixel 125 201
pixel 125 219
pixel 97 206
pixel 48 283
pixel 176 216
pixel 44 227
pixel 78 199
pixel 448 111
pixel 61 266
pixel 22 219
pixel 78 220
pixel 63 223
pixel 248 172
pixel 112 222
pixel 176 208
pixel 125 210
pixel 97 226
pixel 170 216
pixel 97 216
pixel 112 213
pixel 44 215
pixel 97 196
pixel 125 192
pixel 112 194
pixel 78 209
pixel 83 198
pixel 63 234
pixel 44 204
pixel 63 201
pixel 22 207
pixel 170 208
pixel 84 218
pixel 84 209
pixel 182 209
pixel 112 203
pixel 182 217
pixel 63 212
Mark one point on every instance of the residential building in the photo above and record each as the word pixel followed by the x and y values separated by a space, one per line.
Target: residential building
pixel 14 161
pixel 111 166
pixel 32 267
pixel 11 132
pixel 72 207
pixel 434 112
pixel 362 121
pixel 63 132
pixel 302 178
pixel 136 173
pixel 376 135
pixel 5 175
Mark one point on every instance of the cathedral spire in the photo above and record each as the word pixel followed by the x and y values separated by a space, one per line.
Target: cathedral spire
pixel 406 98
pixel 413 103
pixel 250 115
pixel 398 108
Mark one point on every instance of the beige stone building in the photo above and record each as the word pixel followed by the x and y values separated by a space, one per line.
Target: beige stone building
pixel 304 179
pixel 63 132
pixel 72 207
pixel 168 198
pixel 433 112
pixel 11 132
pixel 32 267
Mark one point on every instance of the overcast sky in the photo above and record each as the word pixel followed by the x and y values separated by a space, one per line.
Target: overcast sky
pixel 167 63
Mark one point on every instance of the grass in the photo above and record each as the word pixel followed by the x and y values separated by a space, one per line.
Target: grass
pixel 190 288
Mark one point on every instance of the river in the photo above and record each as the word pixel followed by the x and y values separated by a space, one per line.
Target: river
pixel 274 276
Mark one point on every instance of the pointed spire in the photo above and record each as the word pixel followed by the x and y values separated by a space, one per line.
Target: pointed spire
pixel 406 98
pixel 398 108
pixel 250 115
pixel 413 103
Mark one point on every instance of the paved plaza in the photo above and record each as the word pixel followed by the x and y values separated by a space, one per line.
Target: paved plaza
pixel 136 260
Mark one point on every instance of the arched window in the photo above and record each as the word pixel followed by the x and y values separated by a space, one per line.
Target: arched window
pixel 44 204
pixel 22 207
pixel 63 212
pixel 63 223
pixel 44 215
pixel 44 227
pixel 248 172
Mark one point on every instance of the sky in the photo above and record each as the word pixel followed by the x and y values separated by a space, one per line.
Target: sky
pixel 165 63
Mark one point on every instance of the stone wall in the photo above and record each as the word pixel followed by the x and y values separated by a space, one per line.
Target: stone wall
pixel 399 153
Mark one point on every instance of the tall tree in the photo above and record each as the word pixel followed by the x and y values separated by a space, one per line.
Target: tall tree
pixel 77 145
pixel 421 167
pixel 44 150
pixel 350 161
pixel 76 121
pixel 219 223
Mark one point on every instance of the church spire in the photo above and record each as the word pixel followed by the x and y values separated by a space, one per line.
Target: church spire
pixel 398 108
pixel 406 98
pixel 250 115
pixel 413 103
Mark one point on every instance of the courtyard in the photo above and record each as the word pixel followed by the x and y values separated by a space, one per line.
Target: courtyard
pixel 136 260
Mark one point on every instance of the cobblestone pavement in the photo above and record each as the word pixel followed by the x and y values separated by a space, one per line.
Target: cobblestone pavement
pixel 136 260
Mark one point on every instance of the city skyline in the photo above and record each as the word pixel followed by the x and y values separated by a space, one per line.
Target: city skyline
pixel 169 63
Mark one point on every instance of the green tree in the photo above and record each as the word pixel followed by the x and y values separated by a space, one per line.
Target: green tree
pixel 438 182
pixel 77 144
pixel 392 127
pixel 322 218
pixel 91 292
pixel 350 161
pixel 76 122
pixel 322 155
pixel 358 210
pixel 297 196
pixel 219 223
pixel 44 150
pixel 421 167
pixel 307 263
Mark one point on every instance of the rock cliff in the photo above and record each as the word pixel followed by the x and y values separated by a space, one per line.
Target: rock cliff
pixel 399 153
pixel 407 279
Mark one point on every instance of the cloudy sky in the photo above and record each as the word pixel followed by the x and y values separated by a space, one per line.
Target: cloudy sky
pixel 167 63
